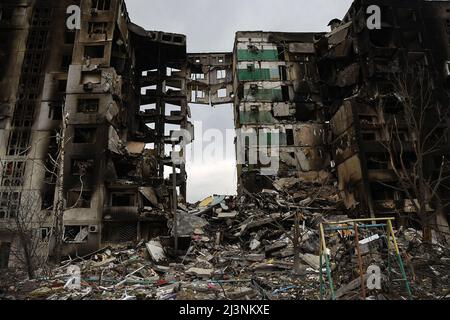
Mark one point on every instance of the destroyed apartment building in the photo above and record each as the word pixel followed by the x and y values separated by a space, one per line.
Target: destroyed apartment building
pixel 114 87
pixel 87 116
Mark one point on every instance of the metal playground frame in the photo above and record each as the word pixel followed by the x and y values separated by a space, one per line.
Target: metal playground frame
pixel 370 223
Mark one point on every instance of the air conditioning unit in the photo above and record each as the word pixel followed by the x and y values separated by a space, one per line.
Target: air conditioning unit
pixel 93 229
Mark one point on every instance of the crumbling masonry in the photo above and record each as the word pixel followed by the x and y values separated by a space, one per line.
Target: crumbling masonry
pixel 114 88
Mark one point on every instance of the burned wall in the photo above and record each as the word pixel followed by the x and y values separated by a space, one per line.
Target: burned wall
pixel 275 85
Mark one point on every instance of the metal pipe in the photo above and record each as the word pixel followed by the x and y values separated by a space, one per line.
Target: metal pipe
pixel 361 271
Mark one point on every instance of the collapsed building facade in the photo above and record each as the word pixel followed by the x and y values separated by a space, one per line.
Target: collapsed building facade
pixel 369 76
pixel 108 86
pixel 333 98
pixel 115 92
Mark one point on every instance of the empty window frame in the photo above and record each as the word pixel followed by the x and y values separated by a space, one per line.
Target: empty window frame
pixel 9 204
pixel 85 135
pixel 197 76
pixel 88 105
pixel 222 93
pixel 94 52
pixel 12 173
pixel 198 95
pixel 101 5
pixel 98 28
pixel 19 142
pixel 79 199
pixel 221 74
pixel 123 199
pixel 76 234
pixel 91 77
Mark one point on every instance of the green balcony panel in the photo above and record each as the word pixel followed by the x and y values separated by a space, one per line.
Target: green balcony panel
pixel 270 95
pixel 258 74
pixel 264 55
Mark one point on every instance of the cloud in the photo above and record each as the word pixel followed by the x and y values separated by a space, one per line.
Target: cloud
pixel 206 179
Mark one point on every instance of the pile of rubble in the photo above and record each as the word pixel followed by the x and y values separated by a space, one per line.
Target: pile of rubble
pixel 240 248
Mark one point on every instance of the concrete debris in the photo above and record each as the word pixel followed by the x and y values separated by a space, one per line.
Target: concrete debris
pixel 312 260
pixel 156 251
pixel 251 254
pixel 201 273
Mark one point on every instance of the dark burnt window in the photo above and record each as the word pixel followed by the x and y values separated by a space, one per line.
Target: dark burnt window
pixel 290 137
pixel 281 53
pixel 24 114
pixel 62 85
pixel 123 199
pixel 94 52
pixel 79 199
pixel 101 5
pixel 380 192
pixel 55 111
pixel 12 173
pixel 88 105
pixel 85 135
pixel 285 93
pixel 76 234
pixel 9 204
pixel 6 14
pixel 283 73
pixel 66 60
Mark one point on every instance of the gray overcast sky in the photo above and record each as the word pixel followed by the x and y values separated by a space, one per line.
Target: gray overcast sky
pixel 210 26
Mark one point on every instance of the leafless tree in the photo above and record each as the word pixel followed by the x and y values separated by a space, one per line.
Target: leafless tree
pixel 28 225
pixel 59 206
pixel 414 136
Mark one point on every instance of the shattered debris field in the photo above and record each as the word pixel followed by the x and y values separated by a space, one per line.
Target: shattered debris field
pixel 324 154
pixel 243 248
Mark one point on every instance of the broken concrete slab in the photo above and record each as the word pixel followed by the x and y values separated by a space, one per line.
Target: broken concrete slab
pixel 199 272
pixel 277 246
pixel 312 260
pixel 227 215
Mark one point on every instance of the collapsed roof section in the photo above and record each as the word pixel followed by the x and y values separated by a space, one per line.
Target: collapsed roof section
pixel 152 47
